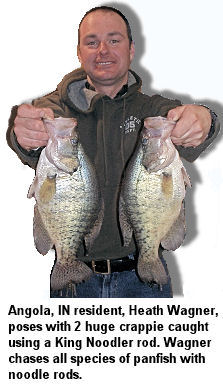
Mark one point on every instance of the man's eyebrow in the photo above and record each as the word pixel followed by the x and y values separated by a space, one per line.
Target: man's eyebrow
pixel 110 34
pixel 115 33
pixel 90 36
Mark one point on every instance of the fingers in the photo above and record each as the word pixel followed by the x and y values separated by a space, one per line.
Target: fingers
pixel 176 113
pixel 188 134
pixel 29 127
pixel 193 124
pixel 30 111
pixel 30 139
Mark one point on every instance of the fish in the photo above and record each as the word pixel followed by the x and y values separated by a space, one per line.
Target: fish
pixel 68 209
pixel 152 196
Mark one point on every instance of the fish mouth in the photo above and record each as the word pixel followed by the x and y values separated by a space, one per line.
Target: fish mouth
pixel 158 127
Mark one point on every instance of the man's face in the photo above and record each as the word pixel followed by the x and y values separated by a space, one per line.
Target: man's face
pixel 104 49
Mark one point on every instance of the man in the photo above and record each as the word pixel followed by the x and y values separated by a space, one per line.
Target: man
pixel 104 96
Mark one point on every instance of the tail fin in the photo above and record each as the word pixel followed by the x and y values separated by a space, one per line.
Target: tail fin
pixel 75 271
pixel 152 271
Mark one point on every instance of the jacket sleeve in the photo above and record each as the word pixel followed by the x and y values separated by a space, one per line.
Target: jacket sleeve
pixel 161 106
pixel 31 157
pixel 192 153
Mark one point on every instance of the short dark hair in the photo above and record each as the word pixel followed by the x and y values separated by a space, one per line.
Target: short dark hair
pixel 108 9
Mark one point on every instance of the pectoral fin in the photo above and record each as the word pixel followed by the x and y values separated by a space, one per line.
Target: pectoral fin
pixel 48 189
pixel 167 185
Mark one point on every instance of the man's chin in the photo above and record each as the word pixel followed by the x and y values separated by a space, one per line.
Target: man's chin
pixel 105 78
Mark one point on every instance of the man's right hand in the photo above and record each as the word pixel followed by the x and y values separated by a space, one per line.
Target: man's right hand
pixel 29 127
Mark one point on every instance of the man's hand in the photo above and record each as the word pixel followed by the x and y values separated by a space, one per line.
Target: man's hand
pixel 29 127
pixel 193 124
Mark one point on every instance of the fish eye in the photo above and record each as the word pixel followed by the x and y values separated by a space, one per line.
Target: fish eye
pixel 145 141
pixel 74 141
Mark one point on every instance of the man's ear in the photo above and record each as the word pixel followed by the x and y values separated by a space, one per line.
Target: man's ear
pixel 79 53
pixel 132 51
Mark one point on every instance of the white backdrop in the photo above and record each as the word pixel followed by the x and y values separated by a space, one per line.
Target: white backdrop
pixel 179 53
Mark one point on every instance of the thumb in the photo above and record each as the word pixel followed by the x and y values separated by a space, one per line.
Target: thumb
pixel 175 113
pixel 47 113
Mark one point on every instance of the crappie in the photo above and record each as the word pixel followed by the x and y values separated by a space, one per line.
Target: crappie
pixel 151 199
pixel 68 204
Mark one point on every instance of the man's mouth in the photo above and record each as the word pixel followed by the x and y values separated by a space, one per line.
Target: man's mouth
pixel 103 63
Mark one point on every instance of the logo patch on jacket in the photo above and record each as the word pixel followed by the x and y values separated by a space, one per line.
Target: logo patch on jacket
pixel 130 125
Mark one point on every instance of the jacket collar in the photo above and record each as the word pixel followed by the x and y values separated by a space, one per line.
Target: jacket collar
pixel 73 91
pixel 122 91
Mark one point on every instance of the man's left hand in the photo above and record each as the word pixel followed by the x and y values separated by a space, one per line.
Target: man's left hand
pixel 193 124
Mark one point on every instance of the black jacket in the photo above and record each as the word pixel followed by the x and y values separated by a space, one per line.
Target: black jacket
pixel 108 130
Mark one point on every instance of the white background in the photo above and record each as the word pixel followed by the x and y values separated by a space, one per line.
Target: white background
pixel 179 53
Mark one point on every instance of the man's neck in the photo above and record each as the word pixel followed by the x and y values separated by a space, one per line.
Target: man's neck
pixel 109 90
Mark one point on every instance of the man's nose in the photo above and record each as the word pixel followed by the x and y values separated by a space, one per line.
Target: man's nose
pixel 103 48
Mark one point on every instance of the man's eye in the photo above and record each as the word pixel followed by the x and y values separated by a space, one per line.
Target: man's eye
pixel 92 43
pixel 114 41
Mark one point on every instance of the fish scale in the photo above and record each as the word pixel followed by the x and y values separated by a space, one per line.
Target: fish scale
pixel 68 204
pixel 151 202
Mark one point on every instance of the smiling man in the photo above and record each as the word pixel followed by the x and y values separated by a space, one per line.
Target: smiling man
pixel 104 95
pixel 105 53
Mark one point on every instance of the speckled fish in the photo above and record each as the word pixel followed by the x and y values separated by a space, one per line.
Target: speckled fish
pixel 68 205
pixel 151 200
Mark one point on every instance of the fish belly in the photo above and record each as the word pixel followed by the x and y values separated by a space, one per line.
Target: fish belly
pixel 153 204
pixel 67 218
